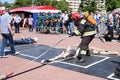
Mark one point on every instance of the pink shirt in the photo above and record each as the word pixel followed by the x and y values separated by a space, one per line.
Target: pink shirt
pixel 30 21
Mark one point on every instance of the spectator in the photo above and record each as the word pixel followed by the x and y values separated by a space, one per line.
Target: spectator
pixel 110 33
pixel 57 24
pixel 118 23
pixel 24 22
pixel 6 32
pixel 65 22
pixel 17 21
pixel 30 23
pixel 97 17
pixel 70 22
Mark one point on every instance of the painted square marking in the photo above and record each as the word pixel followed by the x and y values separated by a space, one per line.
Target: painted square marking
pixel 87 66
pixel 111 77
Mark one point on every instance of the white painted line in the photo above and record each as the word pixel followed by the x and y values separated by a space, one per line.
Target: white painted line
pixel 23 54
pixel 111 77
pixel 73 64
pixel 100 56
pixel 105 58
pixel 27 55
pixel 97 62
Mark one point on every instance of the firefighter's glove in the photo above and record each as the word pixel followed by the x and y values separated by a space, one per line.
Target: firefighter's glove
pixel 75 33
pixel 72 34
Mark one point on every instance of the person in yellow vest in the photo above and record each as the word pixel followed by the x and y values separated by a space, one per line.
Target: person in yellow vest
pixel 86 27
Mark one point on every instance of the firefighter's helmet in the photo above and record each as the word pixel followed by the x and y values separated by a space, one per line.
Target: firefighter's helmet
pixel 76 16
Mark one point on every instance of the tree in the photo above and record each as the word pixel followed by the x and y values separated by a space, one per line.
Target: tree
pixel 62 5
pixel 112 4
pixel 89 5
pixel 22 3
pixel 6 4
pixel 82 6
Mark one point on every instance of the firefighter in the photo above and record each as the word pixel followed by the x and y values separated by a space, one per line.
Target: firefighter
pixel 87 30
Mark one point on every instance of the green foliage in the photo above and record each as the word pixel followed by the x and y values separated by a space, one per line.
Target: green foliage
pixel 6 4
pixel 42 2
pixel 86 5
pixel 89 5
pixel 112 4
pixel 22 3
pixel 62 5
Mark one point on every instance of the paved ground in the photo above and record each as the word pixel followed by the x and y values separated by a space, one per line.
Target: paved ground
pixel 50 39
pixel 98 67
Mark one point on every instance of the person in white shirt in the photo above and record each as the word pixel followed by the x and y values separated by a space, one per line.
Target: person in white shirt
pixel 65 22
pixel 30 23
pixel 24 22
pixel 17 21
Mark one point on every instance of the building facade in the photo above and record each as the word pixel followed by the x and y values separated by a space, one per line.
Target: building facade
pixel 73 4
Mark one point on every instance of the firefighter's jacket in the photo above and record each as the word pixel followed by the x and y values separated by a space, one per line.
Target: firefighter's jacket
pixel 85 28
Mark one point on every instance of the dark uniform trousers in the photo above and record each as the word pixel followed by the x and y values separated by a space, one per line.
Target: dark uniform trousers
pixel 110 33
pixel 17 27
pixel 84 45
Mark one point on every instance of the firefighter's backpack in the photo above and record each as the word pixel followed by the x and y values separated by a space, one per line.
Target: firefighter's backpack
pixel 90 18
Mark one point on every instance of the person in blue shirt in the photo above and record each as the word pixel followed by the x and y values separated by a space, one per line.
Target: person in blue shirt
pixel 80 12
pixel 70 22
pixel 98 17
pixel 25 41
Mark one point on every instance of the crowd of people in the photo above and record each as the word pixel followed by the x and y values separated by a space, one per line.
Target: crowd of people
pixel 58 22
pixel 21 21
pixel 108 24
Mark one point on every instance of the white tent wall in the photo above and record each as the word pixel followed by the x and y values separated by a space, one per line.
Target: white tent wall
pixel 46 11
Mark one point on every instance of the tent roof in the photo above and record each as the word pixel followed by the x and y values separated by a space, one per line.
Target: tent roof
pixel 34 9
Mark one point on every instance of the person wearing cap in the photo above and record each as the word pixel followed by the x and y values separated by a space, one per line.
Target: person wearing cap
pixel 87 31
pixel 6 32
